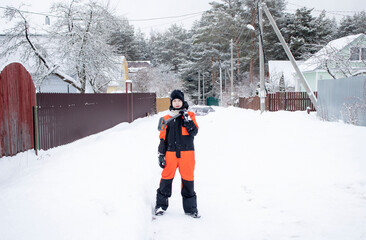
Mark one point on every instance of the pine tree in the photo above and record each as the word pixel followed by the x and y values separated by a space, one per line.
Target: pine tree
pixel 272 46
pixel 352 25
pixel 301 30
pixel 141 47
pixel 123 40
pixel 325 29
pixel 282 86
pixel 228 20
pixel 171 47
pixel 212 35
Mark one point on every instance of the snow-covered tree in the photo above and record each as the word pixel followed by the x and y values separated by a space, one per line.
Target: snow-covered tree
pixel 82 35
pixel 32 47
pixel 212 35
pixel 282 86
pixel 352 25
pixel 123 39
pixel 130 43
pixel 141 47
pixel 158 79
pixel 226 20
pixel 325 29
pixel 77 44
pixel 272 46
pixel 300 31
pixel 171 47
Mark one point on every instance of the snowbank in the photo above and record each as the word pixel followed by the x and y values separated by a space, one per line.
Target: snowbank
pixel 279 175
pixel 96 188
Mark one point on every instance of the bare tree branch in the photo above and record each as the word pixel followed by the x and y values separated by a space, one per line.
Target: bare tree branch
pixel 51 69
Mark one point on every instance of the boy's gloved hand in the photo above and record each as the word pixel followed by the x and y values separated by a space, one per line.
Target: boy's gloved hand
pixel 186 116
pixel 162 162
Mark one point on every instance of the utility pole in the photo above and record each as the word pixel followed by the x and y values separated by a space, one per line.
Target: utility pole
pixel 220 84
pixel 262 92
pixel 232 73
pixel 291 57
pixel 199 87
pixel 251 68
pixel 225 88
pixel 203 88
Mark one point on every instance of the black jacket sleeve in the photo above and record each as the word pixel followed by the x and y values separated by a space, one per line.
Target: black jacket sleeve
pixel 162 147
pixel 191 128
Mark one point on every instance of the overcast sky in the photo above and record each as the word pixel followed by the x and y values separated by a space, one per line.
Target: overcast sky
pixel 146 9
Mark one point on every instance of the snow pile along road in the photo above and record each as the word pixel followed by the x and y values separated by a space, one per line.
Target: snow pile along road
pixel 97 188
pixel 279 175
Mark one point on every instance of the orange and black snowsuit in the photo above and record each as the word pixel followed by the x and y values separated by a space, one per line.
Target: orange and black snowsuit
pixel 176 142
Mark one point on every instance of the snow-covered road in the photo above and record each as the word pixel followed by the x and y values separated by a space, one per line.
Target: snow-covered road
pixel 273 176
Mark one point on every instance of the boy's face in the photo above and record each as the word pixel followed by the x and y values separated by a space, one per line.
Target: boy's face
pixel 177 103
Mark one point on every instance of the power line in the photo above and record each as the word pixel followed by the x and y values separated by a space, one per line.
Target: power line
pixel 157 25
pixel 132 20
pixel 326 11
pixel 159 18
pixel 298 5
pixel 189 14
pixel 35 13
pixel 338 14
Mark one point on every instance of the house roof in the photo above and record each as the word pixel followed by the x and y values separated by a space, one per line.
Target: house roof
pixel 135 66
pixel 333 47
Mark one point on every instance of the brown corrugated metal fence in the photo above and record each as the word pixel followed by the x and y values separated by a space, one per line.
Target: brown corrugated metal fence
pixel 17 98
pixel 64 118
pixel 144 104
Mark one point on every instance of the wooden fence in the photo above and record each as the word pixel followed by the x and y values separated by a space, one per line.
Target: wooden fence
pixel 17 99
pixel 287 101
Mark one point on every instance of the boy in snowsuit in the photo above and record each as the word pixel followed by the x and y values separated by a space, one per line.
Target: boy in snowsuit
pixel 176 150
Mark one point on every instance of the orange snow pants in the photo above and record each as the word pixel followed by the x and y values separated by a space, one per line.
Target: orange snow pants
pixel 185 164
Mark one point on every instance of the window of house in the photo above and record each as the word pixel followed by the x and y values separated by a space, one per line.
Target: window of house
pixel 363 54
pixel 355 54
pixel 358 54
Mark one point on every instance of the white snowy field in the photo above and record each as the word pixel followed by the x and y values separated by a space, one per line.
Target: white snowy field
pixel 279 175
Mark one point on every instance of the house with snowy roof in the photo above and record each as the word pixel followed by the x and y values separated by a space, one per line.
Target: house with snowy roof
pixel 340 58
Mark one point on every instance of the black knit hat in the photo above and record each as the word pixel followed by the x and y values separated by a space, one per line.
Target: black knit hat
pixel 176 94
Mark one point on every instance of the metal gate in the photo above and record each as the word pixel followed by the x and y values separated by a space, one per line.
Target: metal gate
pixel 17 99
